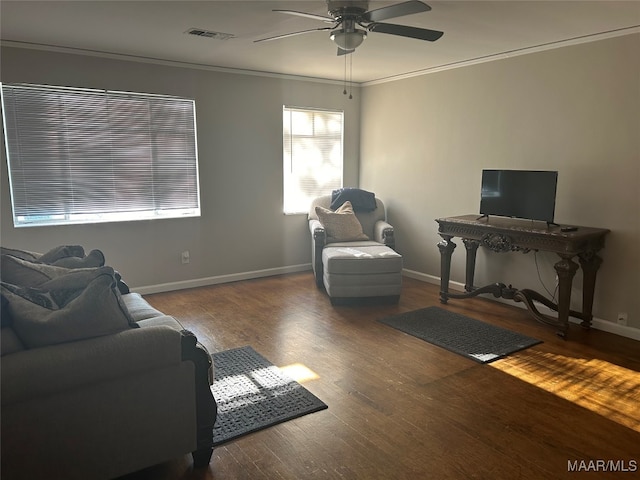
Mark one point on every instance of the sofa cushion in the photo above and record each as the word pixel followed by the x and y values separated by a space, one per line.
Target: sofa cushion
pixel 341 225
pixel 82 304
pixel 17 271
pixel 9 342
pixel 163 320
pixel 139 308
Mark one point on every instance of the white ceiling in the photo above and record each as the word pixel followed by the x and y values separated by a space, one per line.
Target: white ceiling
pixel 473 31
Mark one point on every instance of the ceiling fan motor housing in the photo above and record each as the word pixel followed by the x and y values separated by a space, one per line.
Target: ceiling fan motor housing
pixel 340 8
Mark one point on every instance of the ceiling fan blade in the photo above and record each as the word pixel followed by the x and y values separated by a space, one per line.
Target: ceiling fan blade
pixel 307 15
pixel 397 10
pixel 268 39
pixel 345 52
pixel 404 31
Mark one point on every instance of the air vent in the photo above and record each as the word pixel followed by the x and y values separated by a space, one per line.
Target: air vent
pixel 199 32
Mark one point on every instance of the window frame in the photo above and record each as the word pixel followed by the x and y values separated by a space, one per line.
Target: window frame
pixel 143 143
pixel 294 207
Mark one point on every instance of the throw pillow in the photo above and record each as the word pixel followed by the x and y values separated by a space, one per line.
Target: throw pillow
pixel 60 252
pixel 23 272
pixel 341 225
pixel 24 254
pixel 69 256
pixel 29 274
pixel 83 305
pixel 65 284
pixel 95 258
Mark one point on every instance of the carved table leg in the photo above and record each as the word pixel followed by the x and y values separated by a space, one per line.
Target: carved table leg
pixel 446 247
pixel 566 270
pixel 472 248
pixel 590 263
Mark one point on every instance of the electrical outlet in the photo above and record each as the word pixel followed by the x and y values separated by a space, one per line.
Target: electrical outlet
pixel 185 257
pixel 622 318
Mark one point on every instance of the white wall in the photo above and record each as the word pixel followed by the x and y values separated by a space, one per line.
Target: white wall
pixel 239 120
pixel 419 143
pixel 425 141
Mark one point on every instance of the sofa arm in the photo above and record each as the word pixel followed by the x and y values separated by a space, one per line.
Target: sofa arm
pixel 44 371
pixel 318 240
pixel 206 406
pixel 384 233
pixel 317 231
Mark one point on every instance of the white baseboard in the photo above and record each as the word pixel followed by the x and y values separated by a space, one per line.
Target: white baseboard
pixel 423 277
pixel 234 277
pixel 596 323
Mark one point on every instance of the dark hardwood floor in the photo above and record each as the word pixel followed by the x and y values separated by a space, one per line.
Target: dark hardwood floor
pixel 401 408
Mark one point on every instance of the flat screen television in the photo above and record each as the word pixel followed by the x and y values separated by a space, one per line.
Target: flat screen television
pixel 529 194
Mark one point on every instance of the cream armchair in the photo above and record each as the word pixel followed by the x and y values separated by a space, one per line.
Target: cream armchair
pixel 356 268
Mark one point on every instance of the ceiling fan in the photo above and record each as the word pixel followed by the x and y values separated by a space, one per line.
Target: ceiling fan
pixel 346 16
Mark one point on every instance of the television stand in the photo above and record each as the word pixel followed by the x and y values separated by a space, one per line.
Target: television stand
pixel 500 234
pixel 549 224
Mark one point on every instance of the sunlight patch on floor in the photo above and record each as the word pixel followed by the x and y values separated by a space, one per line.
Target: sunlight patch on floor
pixel 597 385
pixel 299 372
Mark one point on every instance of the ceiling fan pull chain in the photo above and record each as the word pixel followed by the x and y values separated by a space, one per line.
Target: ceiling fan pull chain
pixel 344 92
pixel 350 76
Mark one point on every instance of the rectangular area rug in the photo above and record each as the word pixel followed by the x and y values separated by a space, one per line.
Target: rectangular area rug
pixel 253 394
pixel 458 333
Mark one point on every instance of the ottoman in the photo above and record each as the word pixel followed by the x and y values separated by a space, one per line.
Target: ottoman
pixel 355 271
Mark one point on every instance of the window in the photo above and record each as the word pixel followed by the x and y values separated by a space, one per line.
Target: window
pixel 312 151
pixel 88 156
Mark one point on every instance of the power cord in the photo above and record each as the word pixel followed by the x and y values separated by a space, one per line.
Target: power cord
pixel 553 295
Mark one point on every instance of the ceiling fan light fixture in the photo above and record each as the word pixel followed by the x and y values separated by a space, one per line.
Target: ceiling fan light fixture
pixel 348 40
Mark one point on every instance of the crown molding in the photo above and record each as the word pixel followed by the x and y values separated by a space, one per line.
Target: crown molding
pixel 160 61
pixel 416 73
pixel 508 54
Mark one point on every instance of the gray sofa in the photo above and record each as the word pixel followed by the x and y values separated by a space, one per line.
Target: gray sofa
pixel 95 382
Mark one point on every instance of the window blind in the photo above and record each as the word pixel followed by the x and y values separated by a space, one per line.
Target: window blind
pixel 312 155
pixel 85 156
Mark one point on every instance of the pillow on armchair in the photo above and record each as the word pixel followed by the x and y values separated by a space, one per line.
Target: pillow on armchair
pixel 341 225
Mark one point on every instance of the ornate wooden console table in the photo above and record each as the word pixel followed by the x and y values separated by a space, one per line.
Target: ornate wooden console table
pixel 510 235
